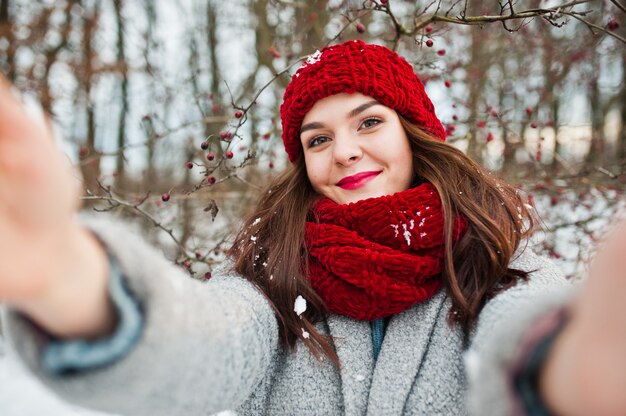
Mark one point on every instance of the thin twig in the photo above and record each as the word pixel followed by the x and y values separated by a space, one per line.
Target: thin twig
pixel 117 202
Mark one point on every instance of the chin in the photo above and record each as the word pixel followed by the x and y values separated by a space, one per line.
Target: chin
pixel 360 197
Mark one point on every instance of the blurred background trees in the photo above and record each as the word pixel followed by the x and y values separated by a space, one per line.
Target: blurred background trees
pixel 170 109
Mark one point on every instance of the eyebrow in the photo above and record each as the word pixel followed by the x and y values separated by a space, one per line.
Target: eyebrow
pixel 355 112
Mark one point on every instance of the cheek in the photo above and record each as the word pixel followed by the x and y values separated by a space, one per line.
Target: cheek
pixel 314 171
pixel 404 158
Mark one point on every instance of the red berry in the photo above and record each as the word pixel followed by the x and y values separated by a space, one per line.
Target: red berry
pixel 189 165
pixel 529 110
pixel 210 156
pixel 229 154
pixel 480 124
pixel 207 275
pixel 554 199
pixel 441 52
pixel 429 29
pixel 455 117
pixel 448 83
pixel 226 135
pixel 238 113
pixel 211 180
pixel 165 197
pixel 489 137
pixel 360 27
pixel 383 1
pixel 493 112
pixel 266 136
pixel 534 125
pixel 271 165
pixel 429 43
pixel 215 108
pixel 204 145
pixel 187 264
pixel 613 24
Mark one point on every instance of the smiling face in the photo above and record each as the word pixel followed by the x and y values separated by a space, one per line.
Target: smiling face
pixel 355 148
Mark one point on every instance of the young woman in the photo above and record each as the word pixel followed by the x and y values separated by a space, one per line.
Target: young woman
pixel 384 273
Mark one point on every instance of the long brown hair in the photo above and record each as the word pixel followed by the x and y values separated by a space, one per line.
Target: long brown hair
pixel 270 249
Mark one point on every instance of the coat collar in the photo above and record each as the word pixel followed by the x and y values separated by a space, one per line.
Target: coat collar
pixel 382 387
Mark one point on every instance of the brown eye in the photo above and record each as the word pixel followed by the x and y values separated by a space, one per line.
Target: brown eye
pixel 370 122
pixel 317 140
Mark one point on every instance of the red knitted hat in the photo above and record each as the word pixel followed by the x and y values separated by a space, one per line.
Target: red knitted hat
pixel 355 66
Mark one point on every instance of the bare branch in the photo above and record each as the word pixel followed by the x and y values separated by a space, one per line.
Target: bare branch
pixel 115 202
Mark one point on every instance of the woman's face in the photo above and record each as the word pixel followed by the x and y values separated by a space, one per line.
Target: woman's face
pixel 355 148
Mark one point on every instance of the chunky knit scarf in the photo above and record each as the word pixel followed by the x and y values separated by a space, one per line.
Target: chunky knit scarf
pixel 379 256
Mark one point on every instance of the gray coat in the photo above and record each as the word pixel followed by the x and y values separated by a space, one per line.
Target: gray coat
pixel 210 346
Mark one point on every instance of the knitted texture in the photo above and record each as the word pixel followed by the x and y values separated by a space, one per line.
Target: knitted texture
pixel 374 258
pixel 350 67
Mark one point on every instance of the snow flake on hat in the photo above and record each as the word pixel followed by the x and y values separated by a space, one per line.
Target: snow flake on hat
pixel 314 58
pixel 311 60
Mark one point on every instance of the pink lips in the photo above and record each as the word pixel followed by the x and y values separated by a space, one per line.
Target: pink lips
pixel 357 181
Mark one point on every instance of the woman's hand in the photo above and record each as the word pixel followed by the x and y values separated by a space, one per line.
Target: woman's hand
pixel 50 267
pixel 585 373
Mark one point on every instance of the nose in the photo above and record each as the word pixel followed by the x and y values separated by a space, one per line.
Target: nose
pixel 346 149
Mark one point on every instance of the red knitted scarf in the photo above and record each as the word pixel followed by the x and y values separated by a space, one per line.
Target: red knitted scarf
pixel 379 256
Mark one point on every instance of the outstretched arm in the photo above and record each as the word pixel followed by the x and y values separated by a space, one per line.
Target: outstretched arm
pixel 585 370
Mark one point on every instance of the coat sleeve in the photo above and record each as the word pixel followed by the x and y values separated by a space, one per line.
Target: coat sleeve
pixel 204 347
pixel 497 342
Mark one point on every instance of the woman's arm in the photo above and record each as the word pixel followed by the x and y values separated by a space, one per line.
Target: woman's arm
pixel 498 342
pixel 585 371
pixel 205 346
